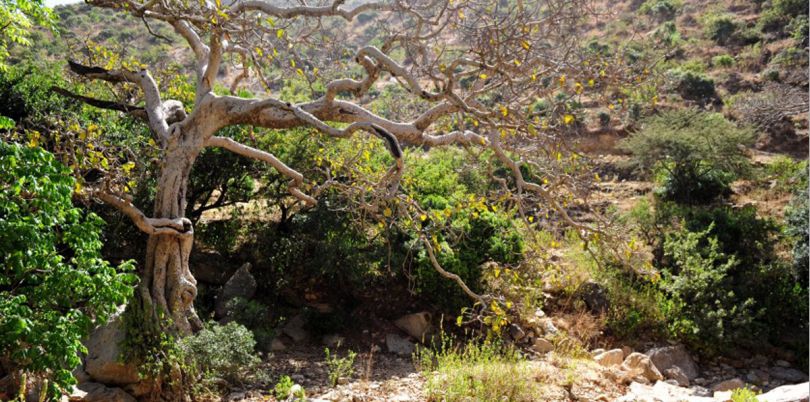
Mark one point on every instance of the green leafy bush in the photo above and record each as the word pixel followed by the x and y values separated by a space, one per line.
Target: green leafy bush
pixel 54 286
pixel 723 60
pixel 222 351
pixel 480 371
pixel 661 10
pixel 693 86
pixel 339 367
pixel 696 154
pixel 704 309
pixel 797 216
pixel 721 27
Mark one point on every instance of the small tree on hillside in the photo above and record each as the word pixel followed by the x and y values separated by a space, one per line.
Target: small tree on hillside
pixel 700 153
pixel 471 67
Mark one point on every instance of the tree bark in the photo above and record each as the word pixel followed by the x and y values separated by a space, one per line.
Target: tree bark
pixel 167 286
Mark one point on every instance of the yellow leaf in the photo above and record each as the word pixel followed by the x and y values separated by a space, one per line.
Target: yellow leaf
pixel 591 82
pixel 483 76
pixel 504 111
pixel 77 188
pixel 525 44
pixel 423 217
pixel 387 212
pixel 280 33
pixel 568 119
pixel 562 80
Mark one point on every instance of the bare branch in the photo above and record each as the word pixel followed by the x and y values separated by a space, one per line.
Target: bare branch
pixel 151 226
pixel 305 11
pixel 135 111
pixel 297 179
pixel 155 109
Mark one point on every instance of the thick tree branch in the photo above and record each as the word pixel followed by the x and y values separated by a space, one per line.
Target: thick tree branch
pixel 155 109
pixel 136 111
pixel 297 179
pixel 305 11
pixel 151 226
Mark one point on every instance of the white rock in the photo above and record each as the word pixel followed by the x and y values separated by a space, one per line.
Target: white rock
pixel 787 393
pixel 728 385
pixel 674 356
pixel 642 365
pixel 294 328
pixel 95 392
pixel 416 325
pixel 610 358
pixel 399 345
pixel 675 373
pixel 542 345
pixel 103 361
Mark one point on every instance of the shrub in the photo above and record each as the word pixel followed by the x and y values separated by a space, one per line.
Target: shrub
pixel 661 10
pixel 54 286
pixel 696 153
pixel 704 309
pixel 339 367
pixel 743 395
pixel 797 216
pixel 798 29
pixel 791 8
pixel 721 28
pixel 693 86
pixel 222 351
pixel 481 371
pixel 722 60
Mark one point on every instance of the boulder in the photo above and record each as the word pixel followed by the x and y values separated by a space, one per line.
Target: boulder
pixel 787 374
pixel 242 284
pixel 728 385
pixel 661 392
pixel 210 267
pixel 641 364
pixel 416 325
pixel 103 361
pixel 610 358
pixel 675 374
pixel 594 296
pixel 399 345
pixel 95 392
pixel 757 376
pixel 516 332
pixel 787 393
pixel 276 345
pixel 542 345
pixel 674 356
pixel 294 328
pixel 332 340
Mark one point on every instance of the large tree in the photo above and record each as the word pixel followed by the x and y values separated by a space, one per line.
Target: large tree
pixel 504 76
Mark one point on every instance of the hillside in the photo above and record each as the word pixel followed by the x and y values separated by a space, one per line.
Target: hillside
pixel 671 265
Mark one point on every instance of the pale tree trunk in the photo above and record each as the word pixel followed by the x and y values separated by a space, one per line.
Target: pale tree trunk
pixel 167 285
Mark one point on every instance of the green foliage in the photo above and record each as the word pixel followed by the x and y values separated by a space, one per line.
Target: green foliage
pixel 662 10
pixel 480 371
pixel 696 153
pixel 54 286
pixel 798 28
pixel 18 18
pixel 222 351
pixel 282 388
pixel 704 310
pixel 723 60
pixel 339 367
pixel 693 86
pixel 791 8
pixel 743 395
pixel 721 27
pixel 797 216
